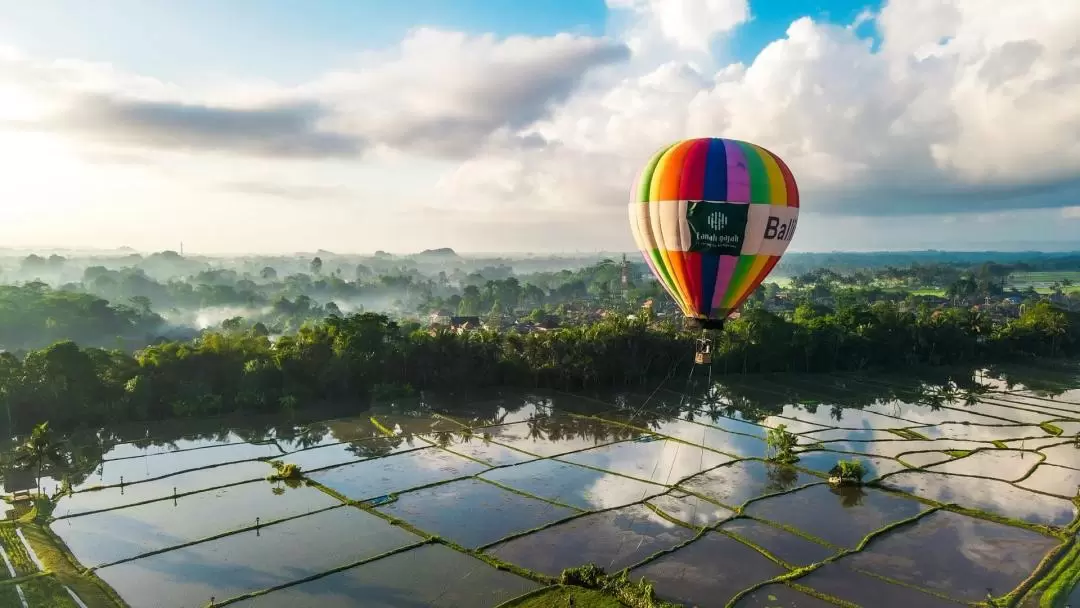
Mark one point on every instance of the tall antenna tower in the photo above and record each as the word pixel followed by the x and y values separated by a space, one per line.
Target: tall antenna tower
pixel 181 247
pixel 625 275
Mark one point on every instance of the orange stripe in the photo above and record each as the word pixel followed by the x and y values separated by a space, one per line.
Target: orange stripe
pixel 665 190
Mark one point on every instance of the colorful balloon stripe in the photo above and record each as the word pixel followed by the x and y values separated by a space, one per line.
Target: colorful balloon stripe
pixel 712 217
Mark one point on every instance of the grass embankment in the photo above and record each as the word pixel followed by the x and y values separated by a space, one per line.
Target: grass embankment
pixel 562 595
pixel 46 589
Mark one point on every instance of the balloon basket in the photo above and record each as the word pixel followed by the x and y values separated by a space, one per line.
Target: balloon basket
pixel 703 354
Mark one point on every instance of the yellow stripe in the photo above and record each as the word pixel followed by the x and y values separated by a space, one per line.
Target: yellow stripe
pixel 777 187
pixel 663 166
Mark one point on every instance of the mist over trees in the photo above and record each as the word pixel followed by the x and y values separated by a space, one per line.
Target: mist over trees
pixel 128 300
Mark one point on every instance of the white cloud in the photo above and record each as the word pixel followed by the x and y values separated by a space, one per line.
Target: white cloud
pixel 688 24
pixel 439 93
pixel 965 106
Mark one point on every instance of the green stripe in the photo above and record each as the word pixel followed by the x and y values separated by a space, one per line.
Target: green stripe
pixel 738 278
pixel 759 177
pixel 659 261
pixel 645 183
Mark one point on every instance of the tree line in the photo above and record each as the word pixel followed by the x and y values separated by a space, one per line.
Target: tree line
pixel 354 359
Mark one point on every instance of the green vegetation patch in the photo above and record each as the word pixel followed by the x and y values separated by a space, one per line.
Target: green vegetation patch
pixel 46 592
pixel 633 594
pixel 58 561
pixel 1051 429
pixel 1054 588
pixel 909 434
pixel 563 595
pixel 16 551
pixel 781 444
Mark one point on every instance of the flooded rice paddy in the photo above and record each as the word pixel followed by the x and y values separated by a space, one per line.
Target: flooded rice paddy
pixel 476 503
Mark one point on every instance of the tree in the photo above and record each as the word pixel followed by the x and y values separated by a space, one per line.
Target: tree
pixel 38 450
pixel 268 273
pixel 316 265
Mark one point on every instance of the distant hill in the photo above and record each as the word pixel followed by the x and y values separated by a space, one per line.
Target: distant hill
pixel 443 252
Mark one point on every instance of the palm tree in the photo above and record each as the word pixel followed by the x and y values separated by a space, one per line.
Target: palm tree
pixel 38 450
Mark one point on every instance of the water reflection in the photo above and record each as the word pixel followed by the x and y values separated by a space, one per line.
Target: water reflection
pixel 613 540
pixel 254 560
pixel 708 572
pixel 450 579
pixel 841 516
pixel 472 512
pixel 109 536
pixel 987 494
pixel 956 555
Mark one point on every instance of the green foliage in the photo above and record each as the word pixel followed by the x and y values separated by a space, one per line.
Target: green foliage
pixel 34 316
pixel 1051 429
pixel 47 592
pixel 634 594
pixel 560 597
pixel 38 450
pixel 285 470
pixel 781 444
pixel 365 356
pixel 848 471
pixel 16 551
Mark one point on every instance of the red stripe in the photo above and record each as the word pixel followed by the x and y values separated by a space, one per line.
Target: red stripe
pixel 789 181
pixel 692 177
pixel 692 188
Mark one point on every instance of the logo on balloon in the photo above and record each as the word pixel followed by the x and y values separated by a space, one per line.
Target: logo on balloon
pixel 717 220
pixel 717 228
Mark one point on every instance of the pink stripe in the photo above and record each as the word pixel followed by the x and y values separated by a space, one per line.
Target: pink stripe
pixel 738 175
pixel 724 270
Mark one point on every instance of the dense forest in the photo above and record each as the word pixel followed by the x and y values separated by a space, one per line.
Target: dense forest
pixel 85 341
pixel 352 359
pixel 130 301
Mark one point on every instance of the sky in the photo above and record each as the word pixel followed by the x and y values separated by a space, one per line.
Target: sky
pixel 269 126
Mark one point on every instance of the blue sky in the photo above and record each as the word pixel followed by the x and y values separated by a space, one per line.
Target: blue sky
pixel 290 39
pixel 268 125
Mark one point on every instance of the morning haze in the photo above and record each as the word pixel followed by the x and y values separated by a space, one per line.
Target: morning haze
pixel 490 304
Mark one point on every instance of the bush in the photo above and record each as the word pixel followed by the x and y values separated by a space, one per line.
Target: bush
pixel 848 471
pixel 781 444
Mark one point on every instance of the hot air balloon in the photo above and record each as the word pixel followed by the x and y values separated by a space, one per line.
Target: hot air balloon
pixel 712 217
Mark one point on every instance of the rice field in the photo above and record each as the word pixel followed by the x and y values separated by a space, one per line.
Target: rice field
pixel 967 498
pixel 1042 280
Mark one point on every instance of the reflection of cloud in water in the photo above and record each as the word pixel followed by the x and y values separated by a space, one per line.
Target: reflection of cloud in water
pixel 838 416
pixel 1065 455
pixel 924 414
pixel 1054 480
pixel 987 494
pixel 691 509
pixel 712 438
pixel 892 447
pixel 580 487
pixel 976 432
pixel 1007 465
pixel 736 483
pixel 660 461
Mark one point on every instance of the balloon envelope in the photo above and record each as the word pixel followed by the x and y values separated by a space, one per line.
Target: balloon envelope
pixel 712 217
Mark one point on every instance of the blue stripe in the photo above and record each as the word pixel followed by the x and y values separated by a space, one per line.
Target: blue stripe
pixel 715 189
pixel 715 173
